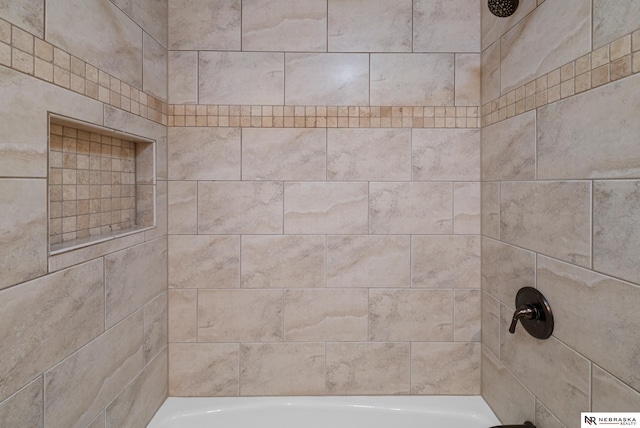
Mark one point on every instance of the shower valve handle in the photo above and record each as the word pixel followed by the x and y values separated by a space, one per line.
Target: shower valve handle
pixel 528 312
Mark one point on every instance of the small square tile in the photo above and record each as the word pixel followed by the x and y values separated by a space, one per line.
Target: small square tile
pixel 567 72
pixel 553 78
pixel 621 68
pixel 600 76
pixel 583 82
pixel 600 57
pixel 567 88
pixel 620 47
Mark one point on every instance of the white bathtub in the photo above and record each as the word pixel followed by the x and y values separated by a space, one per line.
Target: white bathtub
pixel 325 412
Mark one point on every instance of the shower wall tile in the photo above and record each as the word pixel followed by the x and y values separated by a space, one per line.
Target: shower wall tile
pixel 241 78
pixel 204 153
pixel 329 79
pixel 412 79
pixel 364 26
pixel 279 261
pixel 55 315
pixel 466 202
pixel 545 418
pixel 494 27
pixel 446 154
pixel 98 422
pixel 445 261
pixel 183 315
pixel 155 327
pixel 284 154
pixel 506 269
pixel 282 369
pixel 369 154
pixel 490 76
pixel 183 207
pixel 467 76
pixel 490 210
pixel 445 368
pixel 183 85
pixel 490 323
pixel 154 67
pixel 446 26
pixel 368 368
pixel 151 15
pixel 609 394
pixel 203 369
pixel 368 261
pixel 279 25
pixel 467 316
pixel 215 26
pixel 613 19
pixel 326 315
pixel 28 14
pixel 24 408
pixel 92 377
pixel 161 213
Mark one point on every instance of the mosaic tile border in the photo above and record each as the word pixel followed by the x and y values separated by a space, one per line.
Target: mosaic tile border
pixel 26 53
pixel 618 59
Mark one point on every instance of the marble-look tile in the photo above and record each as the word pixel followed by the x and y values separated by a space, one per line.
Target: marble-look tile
pixel 410 208
pixel 282 369
pixel 92 377
pixel 204 261
pixel 585 301
pixel 527 52
pixel 552 218
pixel 236 207
pixel 139 401
pixel 445 261
pixel 99 33
pixel 203 369
pixel 609 394
pixel 613 19
pixel 155 327
pixel 491 323
pixel 326 315
pixel 27 14
pixel 183 85
pixel 325 208
pixel 75 257
pixel 293 261
pixel 506 269
pixel 239 315
pixel 98 422
pixel 509 149
pixel 252 78
pixel 154 68
pixel 591 135
pixel 368 261
pixel 467 316
pixel 282 25
pixel 369 154
pixel 161 213
pixel 24 408
pixel 410 315
pixel 446 26
pixel 215 26
pixel 490 209
pixel 133 277
pixel 23 230
pixel 466 212
pixel 204 153
pixel 494 27
pixel 545 418
pixel 368 368
pixel 144 204
pixel 467 80
pixel 366 26
pixel 183 207
pixel 46 319
pixel 151 15
pixel 183 315
pixel 284 154
pixel 445 368
pixel 446 154
pixel 327 79
pixel 490 78
pixel 412 79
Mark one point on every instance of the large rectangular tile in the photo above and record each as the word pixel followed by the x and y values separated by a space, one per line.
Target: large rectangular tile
pixel 154 67
pixel 446 154
pixel 215 26
pixel 446 26
pixel 506 269
pixel 467 315
pixel 614 19
pixel 47 319
pixel 27 14
pixel 183 315
pixel 77 389
pixel 490 78
pixel 468 79
pixel 490 209
pixel 445 368
pixel 466 211
pixel 445 261
pixel 493 27
pixel 24 408
pixel 609 394
pixel 155 327
pixel 151 15
pixel 183 85
pixel 490 323
pixel 203 369
pixel 182 207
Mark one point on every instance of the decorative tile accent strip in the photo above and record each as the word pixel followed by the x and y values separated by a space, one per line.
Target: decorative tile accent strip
pixel 618 59
pixel 31 55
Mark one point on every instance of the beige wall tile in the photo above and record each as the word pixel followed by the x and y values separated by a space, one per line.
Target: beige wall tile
pixel 241 78
pixel 155 327
pixel 365 26
pixel 608 394
pixel 445 261
pixel 545 418
pixel 506 269
pixel 92 377
pixel 161 213
pixel 203 369
pixel 151 15
pixel 240 207
pixel 284 154
pixel 445 368
pixel 467 316
pixel 183 315
pixel 490 211
pixel 410 315
pixel 183 207
pixel 368 261
pixel 369 154
pixel 280 25
pixel 98 422
pixel 494 27
pixel 613 19
pixel 282 369
pixel 28 14
pixel 283 261
pixel 491 323
pixel 509 149
pixel 326 315
pixel 338 208
pixel 24 408
pixel 154 71
pixel 552 218
pixel 183 69
pixel 215 26
pixel 467 77
pixel 410 208
pixel 239 315
pixel 204 153
pixel 412 79
pixel 446 26
pixel 602 139
pixel 490 78
pixel 446 154
pixel 368 368
pixel 466 202
pixel 327 79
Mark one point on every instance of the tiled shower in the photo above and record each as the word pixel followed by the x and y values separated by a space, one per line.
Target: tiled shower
pixel 347 195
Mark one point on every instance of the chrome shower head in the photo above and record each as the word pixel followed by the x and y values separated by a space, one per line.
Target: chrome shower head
pixel 503 8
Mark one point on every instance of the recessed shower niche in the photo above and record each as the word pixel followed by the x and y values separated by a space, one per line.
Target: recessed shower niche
pixel 101 184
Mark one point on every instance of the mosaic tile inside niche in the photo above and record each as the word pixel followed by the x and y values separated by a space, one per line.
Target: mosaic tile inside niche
pixel 92 181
